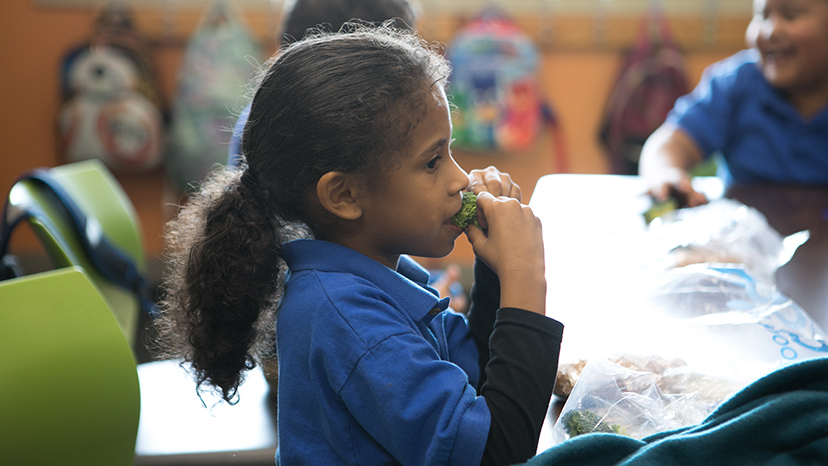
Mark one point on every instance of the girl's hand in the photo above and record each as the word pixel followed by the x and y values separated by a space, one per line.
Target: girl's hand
pixel 491 180
pixel 513 248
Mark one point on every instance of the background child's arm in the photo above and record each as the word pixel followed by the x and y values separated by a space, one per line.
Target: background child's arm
pixel 666 158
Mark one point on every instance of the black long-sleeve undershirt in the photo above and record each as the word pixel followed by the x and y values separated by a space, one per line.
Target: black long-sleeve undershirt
pixel 519 353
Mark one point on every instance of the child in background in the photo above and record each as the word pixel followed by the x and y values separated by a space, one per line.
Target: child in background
pixel 765 109
pixel 348 170
pixel 301 16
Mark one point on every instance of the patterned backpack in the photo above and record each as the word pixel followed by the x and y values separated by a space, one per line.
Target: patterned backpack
pixel 110 106
pixel 494 85
pixel 214 71
pixel 495 90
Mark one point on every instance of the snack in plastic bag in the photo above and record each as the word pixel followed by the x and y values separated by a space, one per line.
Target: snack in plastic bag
pixel 578 422
pixel 611 398
pixel 568 373
pixel 725 330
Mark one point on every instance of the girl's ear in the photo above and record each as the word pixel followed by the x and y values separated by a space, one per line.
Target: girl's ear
pixel 338 194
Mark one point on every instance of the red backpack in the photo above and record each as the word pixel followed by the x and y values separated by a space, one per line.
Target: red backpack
pixel 650 80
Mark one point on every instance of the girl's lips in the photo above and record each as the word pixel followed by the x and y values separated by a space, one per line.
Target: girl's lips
pixel 452 226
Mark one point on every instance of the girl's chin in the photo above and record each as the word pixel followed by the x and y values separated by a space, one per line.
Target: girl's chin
pixel 445 250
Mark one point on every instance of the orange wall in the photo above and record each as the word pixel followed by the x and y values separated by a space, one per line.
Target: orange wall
pixel 577 77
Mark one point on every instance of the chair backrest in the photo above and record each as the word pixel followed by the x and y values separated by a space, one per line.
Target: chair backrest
pixel 69 390
pixel 98 195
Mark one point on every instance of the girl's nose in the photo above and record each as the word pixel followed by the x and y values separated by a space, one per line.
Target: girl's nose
pixel 460 179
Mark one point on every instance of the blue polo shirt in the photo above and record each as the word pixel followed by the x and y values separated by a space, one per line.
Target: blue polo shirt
pixel 762 137
pixel 372 367
pixel 233 157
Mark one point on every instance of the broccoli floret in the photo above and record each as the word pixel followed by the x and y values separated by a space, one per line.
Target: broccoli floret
pixel 577 422
pixel 468 213
pixel 660 208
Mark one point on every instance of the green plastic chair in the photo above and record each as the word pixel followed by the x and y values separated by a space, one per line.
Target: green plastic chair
pixel 96 191
pixel 69 391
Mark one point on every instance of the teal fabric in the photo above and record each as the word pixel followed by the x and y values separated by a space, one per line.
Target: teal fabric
pixel 781 419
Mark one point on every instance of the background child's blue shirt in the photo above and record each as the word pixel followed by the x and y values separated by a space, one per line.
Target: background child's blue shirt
pixel 234 150
pixel 760 134
pixel 369 372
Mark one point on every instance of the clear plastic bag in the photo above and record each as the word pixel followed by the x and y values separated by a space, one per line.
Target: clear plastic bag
pixel 722 231
pixel 613 398
pixel 699 287
pixel 726 330
pixel 743 327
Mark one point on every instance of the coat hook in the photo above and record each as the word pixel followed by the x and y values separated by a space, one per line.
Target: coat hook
pixel 710 27
pixel 546 27
pixel 168 21
pixel 599 22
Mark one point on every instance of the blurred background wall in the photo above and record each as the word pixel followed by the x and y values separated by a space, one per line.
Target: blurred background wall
pixel 581 44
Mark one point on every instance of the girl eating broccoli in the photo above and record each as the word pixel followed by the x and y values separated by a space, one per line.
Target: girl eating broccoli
pixel 348 170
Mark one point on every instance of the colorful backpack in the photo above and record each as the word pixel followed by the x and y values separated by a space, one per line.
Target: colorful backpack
pixel 494 85
pixel 110 106
pixel 650 80
pixel 214 73
pixel 495 90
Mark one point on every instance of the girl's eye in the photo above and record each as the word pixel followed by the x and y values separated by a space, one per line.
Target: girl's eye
pixel 432 164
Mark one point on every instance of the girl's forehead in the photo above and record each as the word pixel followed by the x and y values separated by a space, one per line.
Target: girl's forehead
pixel 439 95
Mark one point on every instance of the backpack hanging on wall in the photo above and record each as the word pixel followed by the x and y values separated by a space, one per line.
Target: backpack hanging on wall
pixel 214 72
pixel 494 85
pixel 650 80
pixel 110 105
pixel 495 90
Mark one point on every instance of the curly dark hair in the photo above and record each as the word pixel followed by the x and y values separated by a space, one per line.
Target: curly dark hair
pixel 341 102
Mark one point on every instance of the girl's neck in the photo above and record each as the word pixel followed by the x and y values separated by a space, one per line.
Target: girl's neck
pixel 360 247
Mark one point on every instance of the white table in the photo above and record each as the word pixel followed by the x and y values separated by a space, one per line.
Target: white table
pixel 593 228
pixel 590 226
pixel 175 428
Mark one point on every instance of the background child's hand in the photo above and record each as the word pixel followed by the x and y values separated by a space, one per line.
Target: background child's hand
pixel 675 183
pixel 665 160
pixel 513 248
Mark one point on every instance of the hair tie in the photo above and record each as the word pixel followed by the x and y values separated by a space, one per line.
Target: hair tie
pixel 250 180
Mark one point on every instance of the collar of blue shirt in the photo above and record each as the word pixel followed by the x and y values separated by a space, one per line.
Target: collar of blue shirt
pixel 408 285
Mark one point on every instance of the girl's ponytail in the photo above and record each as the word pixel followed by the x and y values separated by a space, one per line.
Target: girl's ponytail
pixel 224 279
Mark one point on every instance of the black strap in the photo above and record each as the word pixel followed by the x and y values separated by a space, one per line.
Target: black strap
pixel 107 258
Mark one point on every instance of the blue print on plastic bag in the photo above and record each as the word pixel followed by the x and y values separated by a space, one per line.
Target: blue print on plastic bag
pixel 787 322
